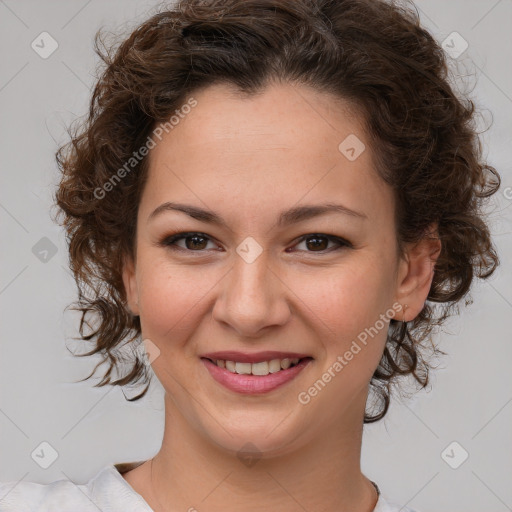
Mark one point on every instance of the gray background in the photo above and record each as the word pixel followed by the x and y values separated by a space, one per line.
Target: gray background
pixel 469 401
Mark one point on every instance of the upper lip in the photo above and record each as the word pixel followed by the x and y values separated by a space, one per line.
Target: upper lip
pixel 256 357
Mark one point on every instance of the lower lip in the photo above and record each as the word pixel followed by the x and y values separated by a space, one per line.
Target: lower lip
pixel 254 384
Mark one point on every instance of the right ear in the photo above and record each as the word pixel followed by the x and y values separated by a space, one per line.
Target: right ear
pixel 130 285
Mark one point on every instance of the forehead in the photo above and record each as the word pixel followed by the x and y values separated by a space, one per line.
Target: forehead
pixel 266 151
pixel 288 113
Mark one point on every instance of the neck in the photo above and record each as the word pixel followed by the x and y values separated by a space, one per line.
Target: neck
pixel 192 473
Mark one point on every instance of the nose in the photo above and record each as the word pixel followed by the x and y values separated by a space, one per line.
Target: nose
pixel 253 296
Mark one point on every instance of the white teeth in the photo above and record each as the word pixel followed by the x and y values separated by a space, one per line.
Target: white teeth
pixel 262 368
pixel 274 365
pixel 285 363
pixel 244 368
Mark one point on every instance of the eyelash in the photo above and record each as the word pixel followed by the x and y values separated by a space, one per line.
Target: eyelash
pixel 169 242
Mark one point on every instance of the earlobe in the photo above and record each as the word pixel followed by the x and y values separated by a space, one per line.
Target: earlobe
pixel 419 272
pixel 130 285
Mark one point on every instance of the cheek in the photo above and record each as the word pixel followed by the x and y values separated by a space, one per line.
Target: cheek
pixel 346 299
pixel 347 322
pixel 338 302
pixel 170 299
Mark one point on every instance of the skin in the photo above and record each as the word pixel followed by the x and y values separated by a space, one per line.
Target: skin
pixel 262 155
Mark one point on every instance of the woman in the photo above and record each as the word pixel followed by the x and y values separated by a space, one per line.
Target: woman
pixel 270 194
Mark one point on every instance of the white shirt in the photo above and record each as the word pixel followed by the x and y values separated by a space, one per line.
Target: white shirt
pixel 107 491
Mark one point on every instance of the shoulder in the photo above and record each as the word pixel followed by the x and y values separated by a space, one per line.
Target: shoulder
pixel 385 504
pixel 106 491
pixel 27 496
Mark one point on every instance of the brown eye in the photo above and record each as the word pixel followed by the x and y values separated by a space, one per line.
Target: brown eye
pixel 194 242
pixel 198 242
pixel 317 242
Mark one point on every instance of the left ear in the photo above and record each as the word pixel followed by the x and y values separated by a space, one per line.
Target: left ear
pixel 130 285
pixel 415 274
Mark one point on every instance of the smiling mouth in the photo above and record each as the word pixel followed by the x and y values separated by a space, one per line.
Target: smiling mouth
pixel 261 369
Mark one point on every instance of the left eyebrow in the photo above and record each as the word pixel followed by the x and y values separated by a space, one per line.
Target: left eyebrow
pixel 301 213
pixel 286 217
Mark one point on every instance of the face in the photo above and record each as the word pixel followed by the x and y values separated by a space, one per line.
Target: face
pixel 310 285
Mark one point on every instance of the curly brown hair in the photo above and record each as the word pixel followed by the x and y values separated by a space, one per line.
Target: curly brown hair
pixel 372 53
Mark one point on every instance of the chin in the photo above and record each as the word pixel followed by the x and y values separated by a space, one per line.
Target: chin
pixel 264 439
